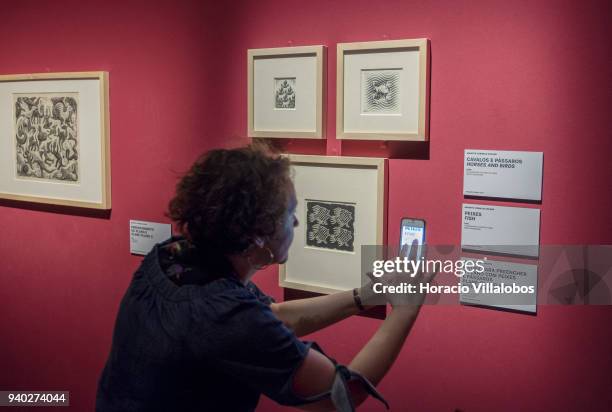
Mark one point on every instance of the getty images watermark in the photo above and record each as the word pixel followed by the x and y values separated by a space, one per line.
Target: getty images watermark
pixel 492 275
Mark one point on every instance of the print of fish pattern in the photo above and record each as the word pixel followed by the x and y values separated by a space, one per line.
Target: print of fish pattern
pixel 341 217
pixel 319 214
pixel 330 225
pixel 319 234
pixel 341 236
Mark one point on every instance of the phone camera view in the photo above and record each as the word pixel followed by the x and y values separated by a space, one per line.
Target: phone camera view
pixel 411 232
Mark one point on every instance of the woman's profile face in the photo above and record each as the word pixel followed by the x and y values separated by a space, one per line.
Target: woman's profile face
pixel 283 238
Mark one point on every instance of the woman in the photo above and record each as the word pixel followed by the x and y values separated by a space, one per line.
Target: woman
pixel 194 333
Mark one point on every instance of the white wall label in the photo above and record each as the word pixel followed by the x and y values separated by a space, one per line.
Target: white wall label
pixel 498 229
pixel 503 174
pixel 508 285
pixel 145 235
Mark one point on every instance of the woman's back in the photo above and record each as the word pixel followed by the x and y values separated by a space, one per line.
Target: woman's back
pixel 193 347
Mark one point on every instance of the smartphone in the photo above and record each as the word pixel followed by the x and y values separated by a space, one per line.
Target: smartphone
pixel 411 229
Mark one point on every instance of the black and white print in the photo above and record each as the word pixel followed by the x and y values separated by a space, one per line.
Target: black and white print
pixel 380 91
pixel 284 93
pixel 330 225
pixel 46 136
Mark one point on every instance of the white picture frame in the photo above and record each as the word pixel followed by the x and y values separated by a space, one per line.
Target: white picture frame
pixel 382 90
pixel 54 139
pixel 285 92
pixel 359 186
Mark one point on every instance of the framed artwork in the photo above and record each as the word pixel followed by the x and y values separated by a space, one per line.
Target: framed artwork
pixel 341 206
pixel 54 139
pixel 285 92
pixel 382 90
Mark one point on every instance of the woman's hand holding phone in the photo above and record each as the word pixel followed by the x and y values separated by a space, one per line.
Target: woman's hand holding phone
pixel 410 300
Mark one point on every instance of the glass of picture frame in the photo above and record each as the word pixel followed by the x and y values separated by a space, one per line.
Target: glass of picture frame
pixel 382 90
pixel 341 207
pixel 54 139
pixel 285 92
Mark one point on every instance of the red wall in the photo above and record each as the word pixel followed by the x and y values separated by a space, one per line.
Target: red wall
pixel 505 75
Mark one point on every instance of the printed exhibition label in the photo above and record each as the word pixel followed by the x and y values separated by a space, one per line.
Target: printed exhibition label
pixel 502 284
pixel 498 229
pixel 503 174
pixel 145 235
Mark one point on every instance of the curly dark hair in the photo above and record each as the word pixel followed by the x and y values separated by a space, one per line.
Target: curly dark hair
pixel 231 196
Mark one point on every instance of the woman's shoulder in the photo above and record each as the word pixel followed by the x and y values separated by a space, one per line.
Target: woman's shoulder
pixel 182 264
pixel 231 294
pixel 173 271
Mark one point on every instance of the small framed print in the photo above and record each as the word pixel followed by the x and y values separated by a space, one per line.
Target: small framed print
pixel 54 139
pixel 285 92
pixel 382 90
pixel 341 207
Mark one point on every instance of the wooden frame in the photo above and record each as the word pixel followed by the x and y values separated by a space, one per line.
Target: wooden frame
pixel 375 171
pixel 279 53
pixel 67 82
pixel 374 48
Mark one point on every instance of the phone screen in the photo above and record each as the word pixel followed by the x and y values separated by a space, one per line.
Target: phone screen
pixel 412 229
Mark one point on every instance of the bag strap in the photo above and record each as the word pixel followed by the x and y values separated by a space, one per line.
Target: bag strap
pixel 340 394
